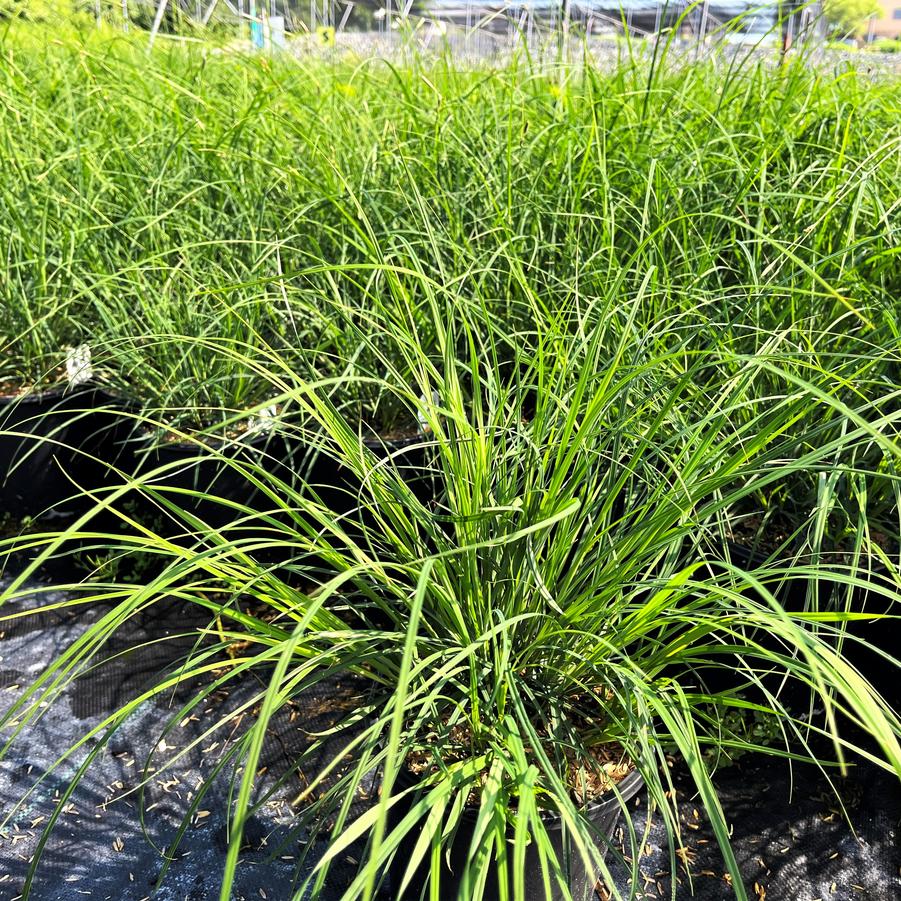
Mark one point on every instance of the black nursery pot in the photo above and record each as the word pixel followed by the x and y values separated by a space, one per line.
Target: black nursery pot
pixel 868 641
pixel 52 444
pixel 340 489
pixel 603 816
pixel 211 476
pixel 208 476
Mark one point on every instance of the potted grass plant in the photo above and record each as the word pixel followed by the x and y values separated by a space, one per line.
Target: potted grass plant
pixel 190 368
pixel 541 638
pixel 567 609
pixel 556 616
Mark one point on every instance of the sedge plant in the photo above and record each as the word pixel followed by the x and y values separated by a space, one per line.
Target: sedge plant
pixel 631 311
pixel 565 589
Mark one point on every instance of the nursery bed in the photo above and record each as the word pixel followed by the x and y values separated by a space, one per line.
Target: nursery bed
pixel 787 849
pixel 801 848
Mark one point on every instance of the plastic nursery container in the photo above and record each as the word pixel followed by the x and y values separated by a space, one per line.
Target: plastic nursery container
pixel 341 490
pixel 53 444
pixel 208 481
pixel 868 645
pixel 604 817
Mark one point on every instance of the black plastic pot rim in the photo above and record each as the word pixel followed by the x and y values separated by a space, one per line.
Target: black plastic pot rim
pixel 376 443
pixel 255 438
pixel 611 801
pixel 58 391
pixel 146 441
pixel 197 440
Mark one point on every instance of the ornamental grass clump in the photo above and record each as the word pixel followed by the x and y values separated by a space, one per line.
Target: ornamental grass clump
pixel 563 601
pixel 247 199
pixel 569 593
pixel 194 365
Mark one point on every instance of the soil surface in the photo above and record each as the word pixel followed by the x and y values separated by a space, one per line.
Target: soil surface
pixel 10 389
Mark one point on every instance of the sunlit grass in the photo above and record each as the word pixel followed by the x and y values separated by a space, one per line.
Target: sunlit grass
pixel 624 317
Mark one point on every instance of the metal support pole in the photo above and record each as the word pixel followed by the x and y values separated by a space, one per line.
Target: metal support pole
pixel 209 12
pixel 126 20
pixel 702 31
pixel 347 11
pixel 157 19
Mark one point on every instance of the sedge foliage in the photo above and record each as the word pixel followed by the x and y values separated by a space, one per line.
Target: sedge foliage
pixel 206 194
pixel 641 312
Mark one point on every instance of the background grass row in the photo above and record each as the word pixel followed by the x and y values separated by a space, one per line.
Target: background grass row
pixel 263 201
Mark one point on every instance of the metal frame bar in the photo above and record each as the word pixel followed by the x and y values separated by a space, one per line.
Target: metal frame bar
pixel 157 21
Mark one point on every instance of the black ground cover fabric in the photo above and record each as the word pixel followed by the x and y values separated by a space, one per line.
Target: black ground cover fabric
pixel 791 837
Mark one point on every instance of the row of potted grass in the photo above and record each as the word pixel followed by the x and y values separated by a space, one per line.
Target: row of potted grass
pixel 266 203
pixel 68 439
